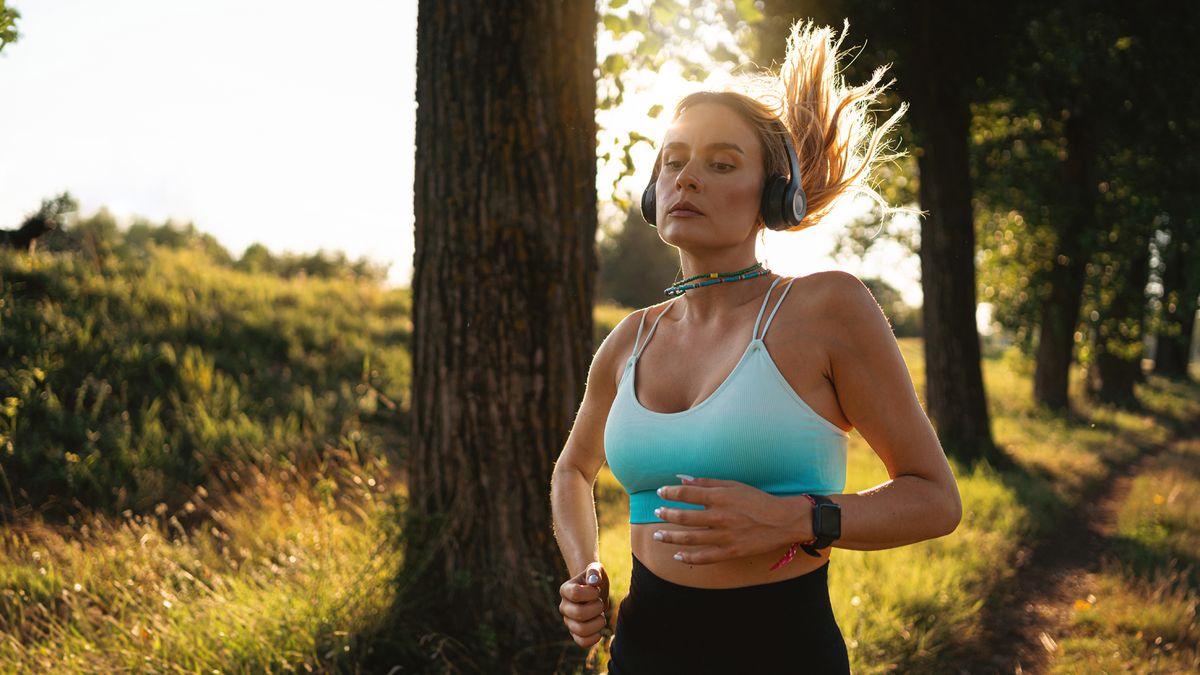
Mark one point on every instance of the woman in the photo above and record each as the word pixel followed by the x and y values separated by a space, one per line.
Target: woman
pixel 729 427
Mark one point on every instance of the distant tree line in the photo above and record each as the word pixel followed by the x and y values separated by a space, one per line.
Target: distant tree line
pixel 98 236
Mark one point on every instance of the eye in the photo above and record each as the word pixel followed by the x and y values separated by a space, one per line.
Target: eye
pixel 722 166
pixel 672 163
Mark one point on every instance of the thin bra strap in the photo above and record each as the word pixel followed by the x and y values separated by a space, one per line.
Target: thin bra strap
pixel 764 307
pixel 638 339
pixel 638 351
pixel 786 288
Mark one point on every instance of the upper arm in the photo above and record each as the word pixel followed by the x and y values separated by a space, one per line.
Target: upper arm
pixel 584 450
pixel 873 386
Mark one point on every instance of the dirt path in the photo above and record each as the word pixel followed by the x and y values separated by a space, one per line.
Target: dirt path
pixel 1021 629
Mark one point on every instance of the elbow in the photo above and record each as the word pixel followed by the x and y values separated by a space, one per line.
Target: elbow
pixel 953 509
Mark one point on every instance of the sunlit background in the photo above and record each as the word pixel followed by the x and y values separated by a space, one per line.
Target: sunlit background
pixel 282 123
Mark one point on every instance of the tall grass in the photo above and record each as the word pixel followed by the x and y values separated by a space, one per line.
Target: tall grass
pixel 127 384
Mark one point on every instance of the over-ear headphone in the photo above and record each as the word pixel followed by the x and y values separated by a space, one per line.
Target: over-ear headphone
pixel 783 200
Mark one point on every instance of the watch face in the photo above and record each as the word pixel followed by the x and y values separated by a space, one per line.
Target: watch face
pixel 829 521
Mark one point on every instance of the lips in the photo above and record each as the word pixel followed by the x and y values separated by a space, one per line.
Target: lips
pixel 685 209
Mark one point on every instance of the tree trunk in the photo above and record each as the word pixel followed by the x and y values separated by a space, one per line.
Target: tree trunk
pixel 954 381
pixel 1181 286
pixel 1060 313
pixel 503 286
pixel 1118 338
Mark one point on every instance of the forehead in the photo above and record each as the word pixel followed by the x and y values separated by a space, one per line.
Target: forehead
pixel 709 123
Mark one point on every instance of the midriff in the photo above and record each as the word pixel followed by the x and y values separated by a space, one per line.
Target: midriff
pixel 658 556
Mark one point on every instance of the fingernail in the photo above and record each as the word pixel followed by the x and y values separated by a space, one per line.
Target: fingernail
pixel 658 536
pixel 660 490
pixel 658 512
pixel 685 478
pixel 679 557
pixel 592 578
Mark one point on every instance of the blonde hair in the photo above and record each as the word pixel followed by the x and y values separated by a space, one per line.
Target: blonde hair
pixel 828 123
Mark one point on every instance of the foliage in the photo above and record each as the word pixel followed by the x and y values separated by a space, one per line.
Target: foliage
pixel 8 25
pixel 905 319
pixel 695 38
pixel 635 265
pixel 99 236
pixel 131 372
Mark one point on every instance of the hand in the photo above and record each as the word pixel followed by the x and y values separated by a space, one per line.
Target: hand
pixel 584 604
pixel 740 520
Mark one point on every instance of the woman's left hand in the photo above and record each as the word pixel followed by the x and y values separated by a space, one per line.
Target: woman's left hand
pixel 740 520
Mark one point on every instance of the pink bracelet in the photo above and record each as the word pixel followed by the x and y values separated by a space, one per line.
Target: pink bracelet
pixel 791 552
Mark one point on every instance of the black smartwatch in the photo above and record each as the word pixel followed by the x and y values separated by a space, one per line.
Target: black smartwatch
pixel 826 526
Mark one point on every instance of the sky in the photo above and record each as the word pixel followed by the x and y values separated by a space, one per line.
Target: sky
pixel 287 123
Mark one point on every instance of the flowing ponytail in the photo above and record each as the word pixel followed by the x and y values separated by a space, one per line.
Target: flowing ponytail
pixel 831 124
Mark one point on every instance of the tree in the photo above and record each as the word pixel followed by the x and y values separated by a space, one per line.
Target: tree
pixel 8 25
pixel 938 53
pixel 503 286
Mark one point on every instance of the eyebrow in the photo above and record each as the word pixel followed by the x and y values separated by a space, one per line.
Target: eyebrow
pixel 710 146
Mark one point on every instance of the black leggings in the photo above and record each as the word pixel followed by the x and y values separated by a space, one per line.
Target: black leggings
pixel 781 627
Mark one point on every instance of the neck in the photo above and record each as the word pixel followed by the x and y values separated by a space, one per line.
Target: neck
pixel 712 305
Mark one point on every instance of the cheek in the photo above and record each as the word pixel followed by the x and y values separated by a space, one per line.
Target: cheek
pixel 746 194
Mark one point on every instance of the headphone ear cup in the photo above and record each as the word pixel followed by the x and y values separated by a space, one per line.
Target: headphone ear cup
pixel 797 206
pixel 772 202
pixel 649 204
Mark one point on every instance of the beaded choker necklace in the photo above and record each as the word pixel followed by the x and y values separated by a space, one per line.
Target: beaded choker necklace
pixel 681 287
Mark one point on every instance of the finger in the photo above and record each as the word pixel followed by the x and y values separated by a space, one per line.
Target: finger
pixel 586 628
pixel 714 482
pixel 582 611
pixel 576 592
pixel 686 494
pixel 587 642
pixel 704 556
pixel 694 517
pixel 690 537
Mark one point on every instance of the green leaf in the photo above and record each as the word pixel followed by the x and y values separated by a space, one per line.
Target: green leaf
pixel 655 110
pixel 615 64
pixel 618 25
pixel 748 11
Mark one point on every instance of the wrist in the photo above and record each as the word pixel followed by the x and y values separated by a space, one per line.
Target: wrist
pixel 799 520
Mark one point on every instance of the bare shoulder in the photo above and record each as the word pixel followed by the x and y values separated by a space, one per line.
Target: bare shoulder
pixel 835 296
pixel 618 345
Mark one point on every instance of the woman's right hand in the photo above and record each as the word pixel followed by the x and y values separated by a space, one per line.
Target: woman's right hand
pixel 584 601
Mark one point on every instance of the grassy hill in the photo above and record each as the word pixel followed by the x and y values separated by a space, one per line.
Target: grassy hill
pixel 129 378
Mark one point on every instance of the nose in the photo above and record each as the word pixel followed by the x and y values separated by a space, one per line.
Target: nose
pixel 686 179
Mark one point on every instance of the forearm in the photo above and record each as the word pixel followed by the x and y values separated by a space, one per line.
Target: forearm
pixel 902 511
pixel 573 506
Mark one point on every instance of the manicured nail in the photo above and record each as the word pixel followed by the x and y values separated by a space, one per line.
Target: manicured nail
pixel 593 578
pixel 685 478
pixel 658 536
pixel 660 490
pixel 679 557
pixel 658 512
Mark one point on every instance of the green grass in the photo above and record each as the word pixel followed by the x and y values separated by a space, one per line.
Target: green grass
pixel 283 577
pixel 1143 617
pixel 124 385
pixel 287 399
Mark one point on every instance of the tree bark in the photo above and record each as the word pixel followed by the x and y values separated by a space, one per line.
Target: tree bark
pixel 1060 313
pixel 1181 286
pixel 503 286
pixel 1118 339
pixel 954 380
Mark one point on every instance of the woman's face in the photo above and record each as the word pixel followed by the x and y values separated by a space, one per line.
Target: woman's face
pixel 711 158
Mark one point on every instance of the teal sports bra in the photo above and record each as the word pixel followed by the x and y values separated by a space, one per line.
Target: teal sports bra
pixel 753 429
